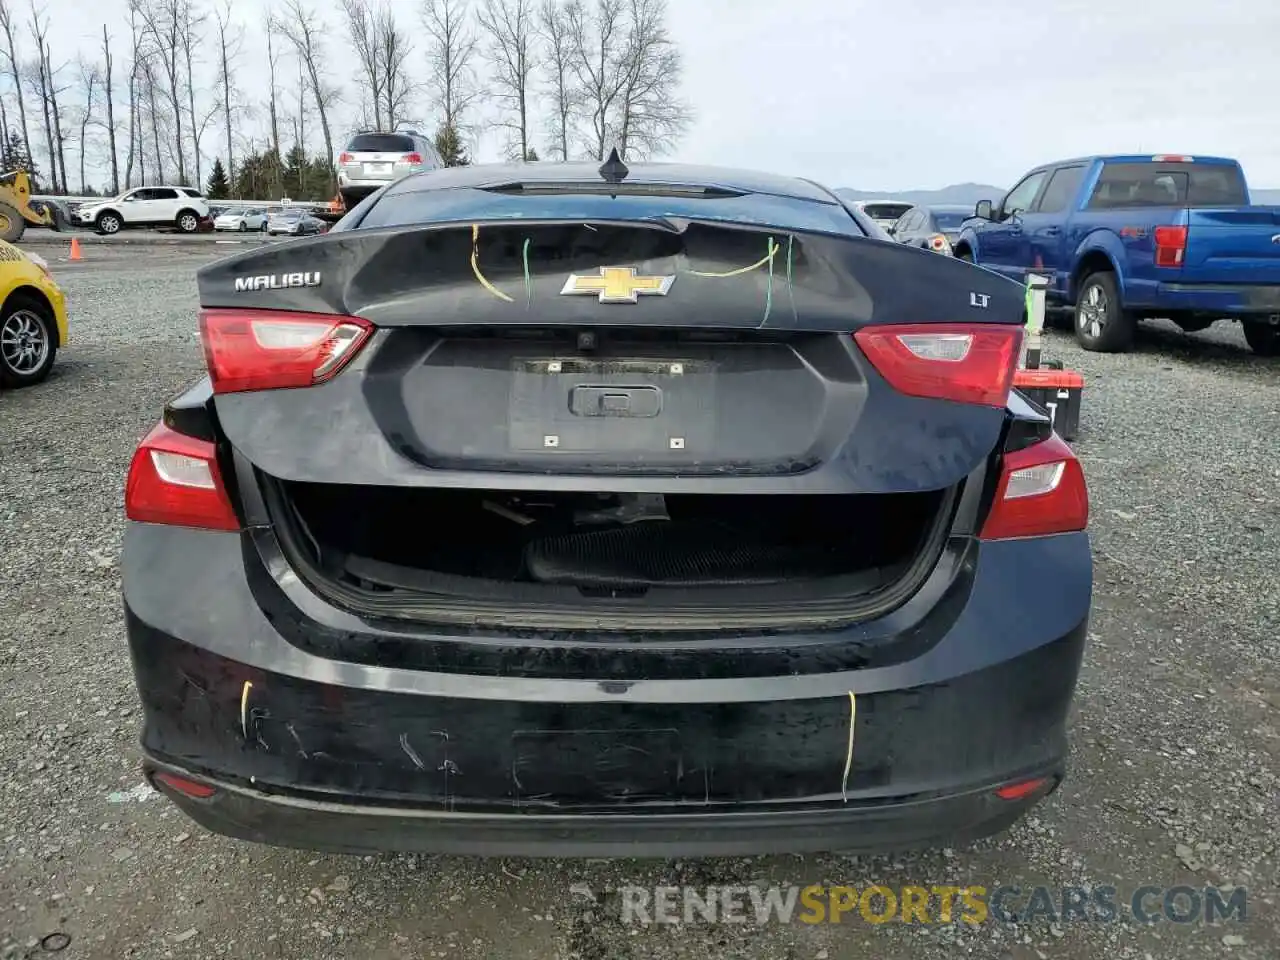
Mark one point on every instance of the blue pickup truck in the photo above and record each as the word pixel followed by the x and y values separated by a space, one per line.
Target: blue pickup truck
pixel 1131 237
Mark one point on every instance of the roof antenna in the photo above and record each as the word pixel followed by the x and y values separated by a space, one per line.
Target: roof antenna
pixel 613 169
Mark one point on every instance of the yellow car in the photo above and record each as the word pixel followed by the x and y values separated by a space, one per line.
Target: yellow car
pixel 33 318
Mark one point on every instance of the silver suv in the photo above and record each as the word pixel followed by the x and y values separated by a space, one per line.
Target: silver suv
pixel 372 160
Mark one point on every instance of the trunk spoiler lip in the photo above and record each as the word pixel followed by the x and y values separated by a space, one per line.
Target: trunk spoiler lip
pixel 674 224
pixel 880 277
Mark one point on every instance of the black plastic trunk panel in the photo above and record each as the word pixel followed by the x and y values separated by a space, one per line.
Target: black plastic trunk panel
pixel 674 553
pixel 655 404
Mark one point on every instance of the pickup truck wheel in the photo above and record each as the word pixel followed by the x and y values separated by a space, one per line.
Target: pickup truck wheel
pixel 1102 325
pixel 965 255
pixel 1263 337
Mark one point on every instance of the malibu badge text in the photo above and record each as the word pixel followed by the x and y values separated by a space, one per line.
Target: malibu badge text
pixel 280 281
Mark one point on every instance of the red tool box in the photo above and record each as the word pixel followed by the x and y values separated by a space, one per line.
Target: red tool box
pixel 1058 391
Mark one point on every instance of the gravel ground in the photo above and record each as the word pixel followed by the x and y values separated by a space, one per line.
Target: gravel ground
pixel 1176 733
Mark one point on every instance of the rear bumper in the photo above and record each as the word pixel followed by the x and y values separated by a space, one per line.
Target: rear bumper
pixel 364 185
pixel 344 827
pixel 1224 299
pixel 549 747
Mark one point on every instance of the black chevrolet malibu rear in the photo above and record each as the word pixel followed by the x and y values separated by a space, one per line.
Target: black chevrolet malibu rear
pixel 529 512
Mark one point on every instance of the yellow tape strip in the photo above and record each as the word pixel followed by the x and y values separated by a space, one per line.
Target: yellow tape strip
pixel 848 757
pixel 767 258
pixel 244 709
pixel 475 266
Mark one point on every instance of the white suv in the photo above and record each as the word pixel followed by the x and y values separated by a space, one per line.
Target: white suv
pixel 372 160
pixel 181 207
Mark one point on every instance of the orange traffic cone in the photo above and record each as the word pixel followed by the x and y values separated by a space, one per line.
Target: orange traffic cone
pixel 75 249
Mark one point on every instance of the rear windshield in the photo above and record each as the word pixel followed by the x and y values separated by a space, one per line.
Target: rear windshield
pixel 403 208
pixel 380 143
pixel 949 219
pixel 1169 185
pixel 886 211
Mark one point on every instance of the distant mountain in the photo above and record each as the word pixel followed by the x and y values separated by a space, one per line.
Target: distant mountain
pixel 967 194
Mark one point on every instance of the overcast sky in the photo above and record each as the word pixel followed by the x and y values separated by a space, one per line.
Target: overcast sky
pixel 900 94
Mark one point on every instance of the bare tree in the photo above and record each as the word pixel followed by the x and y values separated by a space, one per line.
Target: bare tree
pixel 508 26
pixel 597 36
pixel 149 86
pixel 304 30
pixel 58 134
pixel 38 31
pixel 230 38
pixel 272 62
pixel 90 83
pixel 362 27
pixel 111 110
pixel 393 49
pixel 11 55
pixel 652 115
pixel 163 20
pixel 451 48
pixel 553 24
pixel 136 151
pixel 190 36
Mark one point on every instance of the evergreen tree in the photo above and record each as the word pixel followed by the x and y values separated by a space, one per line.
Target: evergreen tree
pixel 297 169
pixel 450 147
pixel 16 155
pixel 531 156
pixel 218 187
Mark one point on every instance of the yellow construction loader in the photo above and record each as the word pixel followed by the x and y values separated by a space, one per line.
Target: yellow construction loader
pixel 17 209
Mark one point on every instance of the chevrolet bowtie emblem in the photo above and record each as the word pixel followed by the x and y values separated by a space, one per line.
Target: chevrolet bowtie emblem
pixel 617 285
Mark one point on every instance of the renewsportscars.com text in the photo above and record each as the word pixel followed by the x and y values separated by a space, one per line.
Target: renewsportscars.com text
pixel 972 905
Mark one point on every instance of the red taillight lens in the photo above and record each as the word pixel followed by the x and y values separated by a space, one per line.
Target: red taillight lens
pixel 174 479
pixel 270 349
pixel 1021 789
pixel 968 363
pixel 191 788
pixel 1041 492
pixel 413 158
pixel 938 242
pixel 345 158
pixel 1171 246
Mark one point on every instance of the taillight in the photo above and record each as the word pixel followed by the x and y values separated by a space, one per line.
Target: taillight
pixel 1172 158
pixel 1171 246
pixel 174 479
pixel 938 243
pixel 191 788
pixel 272 349
pixel 345 158
pixel 413 158
pixel 1041 492
pixel 968 363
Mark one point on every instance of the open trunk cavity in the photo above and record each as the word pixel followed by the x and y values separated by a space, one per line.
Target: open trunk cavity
pixel 610 562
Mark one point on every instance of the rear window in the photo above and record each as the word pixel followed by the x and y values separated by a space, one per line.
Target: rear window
pixel 380 143
pixel 1168 185
pixel 454 205
pixel 886 211
pixel 949 219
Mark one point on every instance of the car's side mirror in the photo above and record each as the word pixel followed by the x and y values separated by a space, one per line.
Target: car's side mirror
pixel 984 210
pixel 891 229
